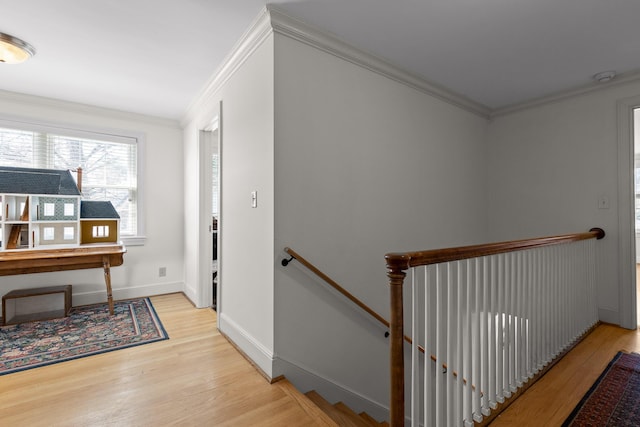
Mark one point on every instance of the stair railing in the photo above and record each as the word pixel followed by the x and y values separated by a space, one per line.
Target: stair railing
pixel 347 294
pixel 333 284
pixel 302 260
pixel 499 314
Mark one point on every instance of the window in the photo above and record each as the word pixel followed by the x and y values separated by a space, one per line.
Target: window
pixel 100 231
pixel 69 209
pixel 109 164
pixel 49 209
pixel 69 233
pixel 48 233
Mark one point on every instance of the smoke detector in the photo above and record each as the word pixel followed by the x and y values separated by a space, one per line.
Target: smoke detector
pixel 604 76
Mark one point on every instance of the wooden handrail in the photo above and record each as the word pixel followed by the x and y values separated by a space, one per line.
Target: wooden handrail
pixel 398 263
pixel 406 260
pixel 352 298
pixel 335 285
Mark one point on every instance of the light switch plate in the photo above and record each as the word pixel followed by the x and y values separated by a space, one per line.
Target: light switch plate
pixel 603 202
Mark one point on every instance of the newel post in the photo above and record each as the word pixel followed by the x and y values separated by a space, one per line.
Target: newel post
pixel 396 264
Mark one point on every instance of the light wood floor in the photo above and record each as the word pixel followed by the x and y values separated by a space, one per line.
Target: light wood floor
pixel 550 401
pixel 196 378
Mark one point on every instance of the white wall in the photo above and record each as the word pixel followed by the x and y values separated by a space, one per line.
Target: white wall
pixel 245 310
pixel 364 165
pixel 163 183
pixel 549 165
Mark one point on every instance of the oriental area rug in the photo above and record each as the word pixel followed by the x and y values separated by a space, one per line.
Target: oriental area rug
pixel 614 399
pixel 86 331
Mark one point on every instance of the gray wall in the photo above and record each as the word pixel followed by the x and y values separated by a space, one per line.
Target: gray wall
pixel 363 166
pixel 549 165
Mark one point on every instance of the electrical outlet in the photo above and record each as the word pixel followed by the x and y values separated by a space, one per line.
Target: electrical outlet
pixel 162 271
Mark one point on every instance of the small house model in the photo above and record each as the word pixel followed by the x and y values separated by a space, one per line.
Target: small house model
pixel 42 209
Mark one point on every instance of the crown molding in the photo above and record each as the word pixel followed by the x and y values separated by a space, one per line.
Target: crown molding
pixel 59 104
pixel 302 32
pixel 622 79
pixel 257 33
pixel 272 20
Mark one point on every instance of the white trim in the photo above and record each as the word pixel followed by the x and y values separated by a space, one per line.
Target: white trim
pixel 205 235
pixel 631 77
pixel 608 315
pixel 59 104
pixel 305 379
pixel 95 297
pixel 252 348
pixel 295 29
pixel 272 20
pixel 626 214
pixel 220 124
pixel 248 43
pixel 134 240
pixel 70 129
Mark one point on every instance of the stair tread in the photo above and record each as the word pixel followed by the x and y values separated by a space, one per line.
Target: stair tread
pixel 338 415
pixel 352 415
pixel 310 407
pixel 369 419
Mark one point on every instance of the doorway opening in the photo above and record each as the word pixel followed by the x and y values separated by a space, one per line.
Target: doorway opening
pixel 209 276
pixel 215 189
pixel 636 187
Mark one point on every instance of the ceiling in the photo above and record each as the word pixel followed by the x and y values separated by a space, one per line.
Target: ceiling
pixel 155 56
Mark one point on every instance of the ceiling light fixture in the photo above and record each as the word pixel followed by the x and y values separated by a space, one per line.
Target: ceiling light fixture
pixel 604 76
pixel 13 50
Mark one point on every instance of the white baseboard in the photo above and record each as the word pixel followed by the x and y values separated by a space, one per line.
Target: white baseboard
pixel 305 380
pixel 94 297
pixel 260 355
pixel 608 316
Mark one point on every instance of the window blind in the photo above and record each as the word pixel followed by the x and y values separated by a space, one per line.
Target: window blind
pixel 108 162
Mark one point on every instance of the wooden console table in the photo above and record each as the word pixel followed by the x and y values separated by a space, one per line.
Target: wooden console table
pixel 47 260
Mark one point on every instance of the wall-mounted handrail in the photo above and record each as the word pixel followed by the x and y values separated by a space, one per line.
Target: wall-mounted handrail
pixel 294 255
pixel 333 284
pixel 398 263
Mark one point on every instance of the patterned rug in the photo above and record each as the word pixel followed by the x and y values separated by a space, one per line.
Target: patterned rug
pixel 88 330
pixel 614 399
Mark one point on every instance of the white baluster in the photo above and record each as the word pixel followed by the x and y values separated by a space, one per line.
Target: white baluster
pixel 478 367
pixel 470 348
pixel 415 335
pixel 441 354
pixel 488 377
pixel 451 340
pixel 498 315
pixel 521 321
pixel 463 312
pixel 430 368
pixel 539 307
pixel 528 314
pixel 514 284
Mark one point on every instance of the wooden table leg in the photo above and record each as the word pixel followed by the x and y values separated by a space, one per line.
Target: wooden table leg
pixel 107 280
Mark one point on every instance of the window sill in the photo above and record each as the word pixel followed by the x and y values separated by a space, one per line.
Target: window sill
pixel 134 240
